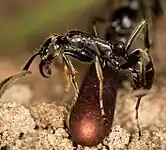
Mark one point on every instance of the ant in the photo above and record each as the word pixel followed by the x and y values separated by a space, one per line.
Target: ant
pixel 103 54
pixel 124 19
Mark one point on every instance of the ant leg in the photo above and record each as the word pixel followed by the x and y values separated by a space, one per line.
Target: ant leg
pixel 4 85
pixel 147 42
pixel 95 20
pixel 67 85
pixel 72 73
pixel 136 115
pixel 95 32
pixel 100 77
pixel 136 32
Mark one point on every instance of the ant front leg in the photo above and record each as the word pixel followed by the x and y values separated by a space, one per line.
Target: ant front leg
pixel 72 73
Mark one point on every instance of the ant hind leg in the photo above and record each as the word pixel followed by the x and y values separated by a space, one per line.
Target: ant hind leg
pixel 136 115
pixel 100 77
pixel 67 80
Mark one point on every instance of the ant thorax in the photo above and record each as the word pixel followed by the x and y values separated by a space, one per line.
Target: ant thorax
pixel 77 41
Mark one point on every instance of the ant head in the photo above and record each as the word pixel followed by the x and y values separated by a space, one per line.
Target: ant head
pixel 50 48
pixel 119 49
pixel 48 51
pixel 122 21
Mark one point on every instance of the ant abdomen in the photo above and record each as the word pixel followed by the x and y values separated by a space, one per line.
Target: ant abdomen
pixel 86 125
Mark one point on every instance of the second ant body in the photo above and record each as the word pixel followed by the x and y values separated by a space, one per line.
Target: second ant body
pixel 122 21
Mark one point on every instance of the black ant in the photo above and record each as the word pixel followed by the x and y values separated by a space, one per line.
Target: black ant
pixel 86 48
pixel 102 54
pixel 124 19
